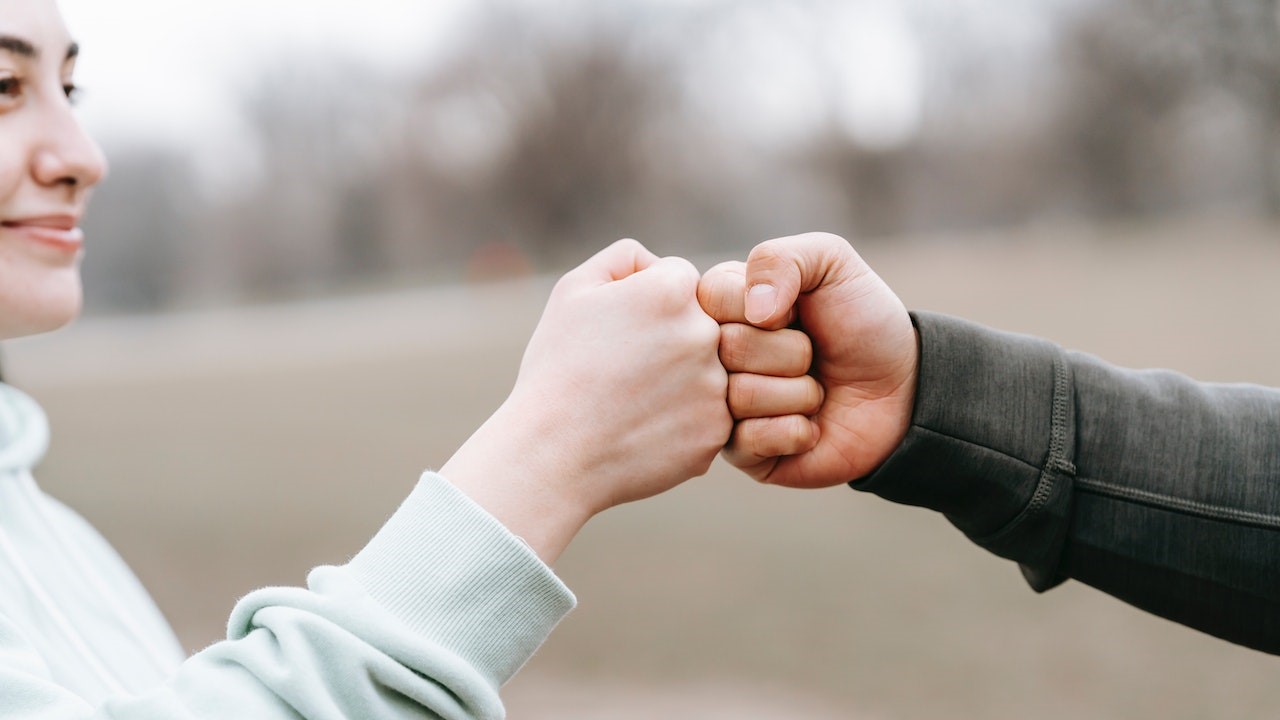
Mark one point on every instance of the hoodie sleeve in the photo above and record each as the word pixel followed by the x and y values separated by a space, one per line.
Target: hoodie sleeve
pixel 1157 489
pixel 440 609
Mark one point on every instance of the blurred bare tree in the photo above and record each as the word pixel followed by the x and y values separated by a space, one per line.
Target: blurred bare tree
pixel 141 221
pixel 545 135
pixel 320 129
pixel 1125 77
pixel 1244 45
pixel 577 167
pixel 1133 67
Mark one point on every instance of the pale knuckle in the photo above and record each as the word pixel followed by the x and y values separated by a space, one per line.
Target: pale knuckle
pixel 717 381
pixel 627 245
pixel 684 275
pixel 695 336
pixel 671 290
pixel 705 331
pixel 684 265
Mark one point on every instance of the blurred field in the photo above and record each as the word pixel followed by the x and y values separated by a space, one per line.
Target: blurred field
pixel 228 450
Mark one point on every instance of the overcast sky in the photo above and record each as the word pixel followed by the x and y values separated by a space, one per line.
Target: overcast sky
pixel 163 68
pixel 172 72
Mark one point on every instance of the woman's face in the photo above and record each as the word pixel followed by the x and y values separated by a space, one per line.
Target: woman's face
pixel 47 168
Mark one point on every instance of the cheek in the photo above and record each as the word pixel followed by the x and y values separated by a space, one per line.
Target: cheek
pixel 36 294
pixel 11 172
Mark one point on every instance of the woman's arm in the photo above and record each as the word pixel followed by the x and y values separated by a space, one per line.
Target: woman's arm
pixel 620 396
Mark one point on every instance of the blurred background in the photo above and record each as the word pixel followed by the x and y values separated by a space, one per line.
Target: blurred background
pixel 330 227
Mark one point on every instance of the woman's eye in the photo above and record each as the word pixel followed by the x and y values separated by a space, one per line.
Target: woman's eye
pixel 72 92
pixel 10 87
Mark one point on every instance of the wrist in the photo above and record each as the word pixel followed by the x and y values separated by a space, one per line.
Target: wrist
pixel 906 397
pixel 510 469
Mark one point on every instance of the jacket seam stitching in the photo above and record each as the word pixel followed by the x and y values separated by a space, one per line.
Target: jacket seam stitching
pixel 1193 508
pixel 966 441
pixel 1056 464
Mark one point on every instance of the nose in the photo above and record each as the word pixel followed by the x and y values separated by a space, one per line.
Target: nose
pixel 68 156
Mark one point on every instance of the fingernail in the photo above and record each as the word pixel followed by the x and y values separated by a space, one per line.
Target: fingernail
pixel 762 301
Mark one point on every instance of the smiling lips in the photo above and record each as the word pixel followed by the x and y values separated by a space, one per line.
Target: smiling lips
pixel 61 232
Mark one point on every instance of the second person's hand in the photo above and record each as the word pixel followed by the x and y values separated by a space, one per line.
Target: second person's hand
pixel 865 357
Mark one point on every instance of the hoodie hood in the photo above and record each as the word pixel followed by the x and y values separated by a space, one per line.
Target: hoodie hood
pixel 24 431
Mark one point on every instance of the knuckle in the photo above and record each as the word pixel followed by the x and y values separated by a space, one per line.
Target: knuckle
pixel 789 436
pixel 709 297
pixel 716 294
pixel 627 244
pixel 816 395
pixel 674 288
pixel 726 270
pixel 742 444
pixel 742 394
pixel 734 350
pixel 719 440
pixel 797 433
pixel 801 349
pixel 706 332
pixel 767 254
pixel 683 271
pixel 837 249
pixel 693 335
pixel 770 434
pixel 718 381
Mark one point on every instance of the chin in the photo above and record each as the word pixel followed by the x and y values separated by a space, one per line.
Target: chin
pixel 39 307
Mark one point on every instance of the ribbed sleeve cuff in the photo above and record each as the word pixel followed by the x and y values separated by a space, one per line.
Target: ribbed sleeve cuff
pixel 450 571
pixel 991 441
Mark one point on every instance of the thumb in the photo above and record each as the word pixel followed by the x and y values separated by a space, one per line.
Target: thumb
pixel 778 271
pixel 621 259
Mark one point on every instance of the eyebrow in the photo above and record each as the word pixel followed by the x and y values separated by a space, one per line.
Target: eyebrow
pixel 18 46
pixel 22 48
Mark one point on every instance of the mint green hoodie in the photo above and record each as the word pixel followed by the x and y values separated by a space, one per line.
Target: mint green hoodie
pixel 441 608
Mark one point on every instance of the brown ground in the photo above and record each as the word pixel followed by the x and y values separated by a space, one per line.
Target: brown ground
pixel 225 451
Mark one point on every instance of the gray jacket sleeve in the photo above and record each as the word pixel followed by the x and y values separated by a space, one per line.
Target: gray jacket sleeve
pixel 1157 489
